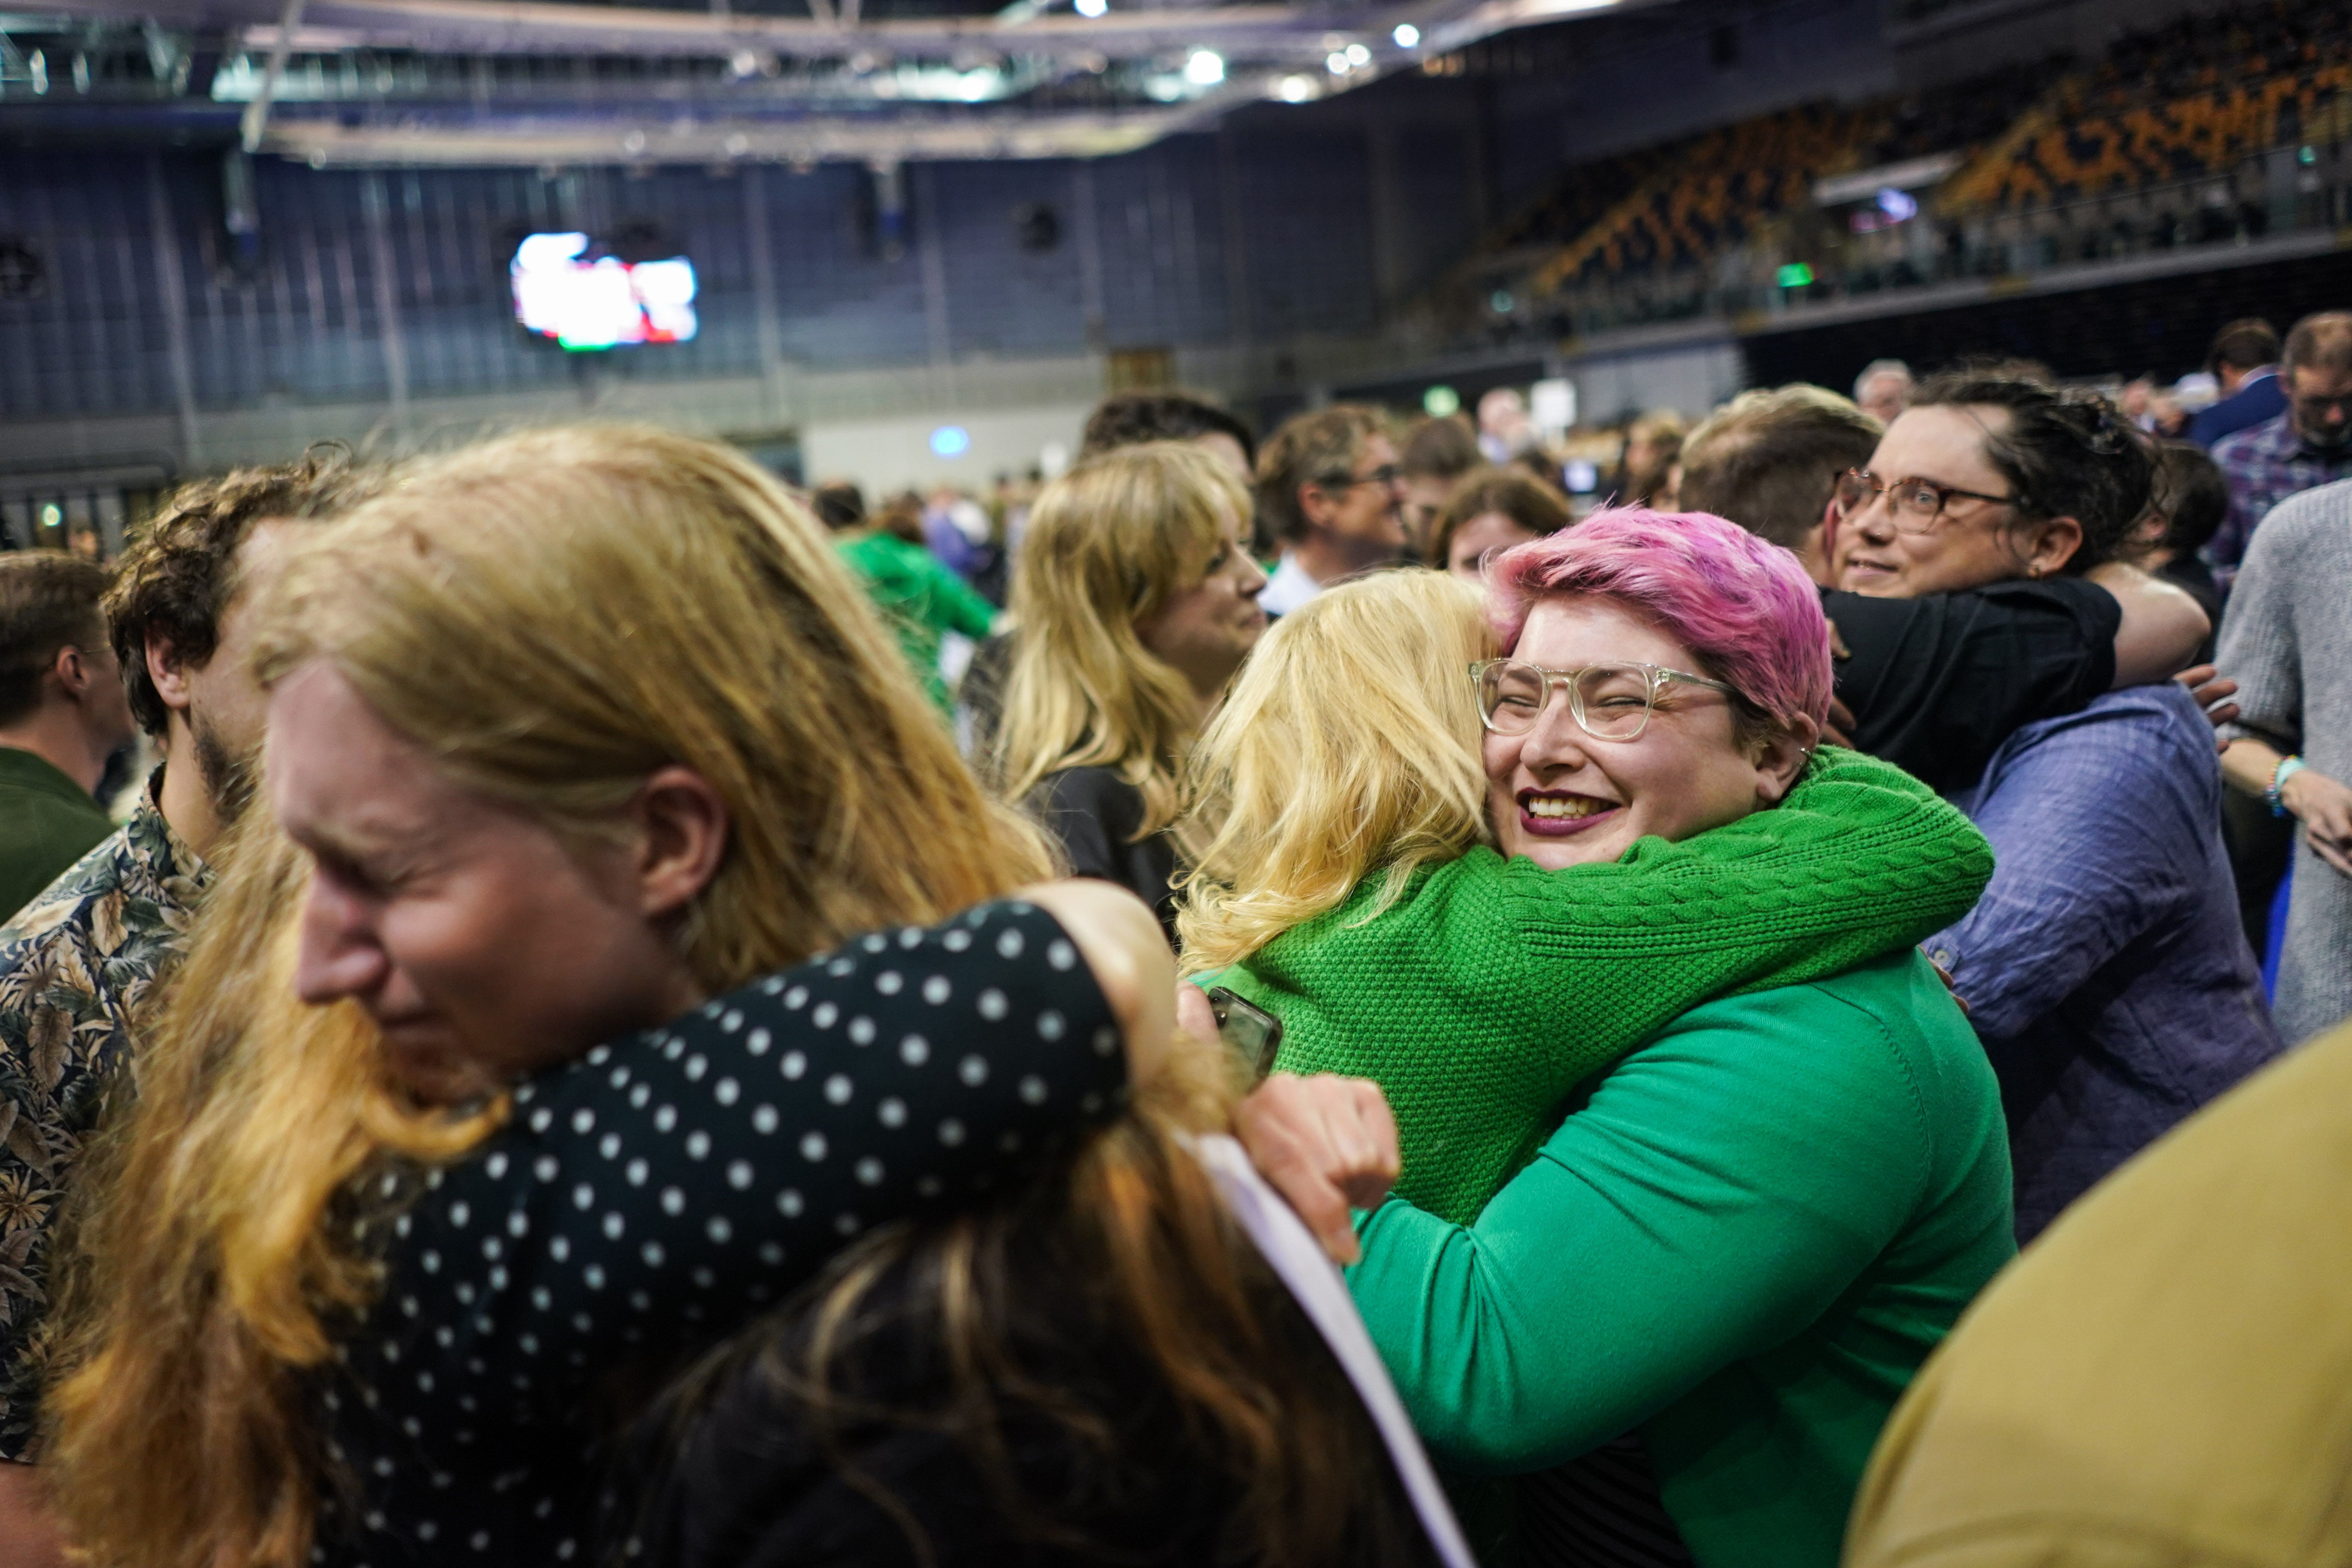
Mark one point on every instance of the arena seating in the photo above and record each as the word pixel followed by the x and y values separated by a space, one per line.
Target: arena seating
pixel 2190 99
pixel 1645 235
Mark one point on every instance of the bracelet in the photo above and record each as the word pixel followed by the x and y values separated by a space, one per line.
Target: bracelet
pixel 2287 768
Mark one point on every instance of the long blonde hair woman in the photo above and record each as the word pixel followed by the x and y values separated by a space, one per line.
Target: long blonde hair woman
pixel 1348 753
pixel 1136 602
pixel 567 734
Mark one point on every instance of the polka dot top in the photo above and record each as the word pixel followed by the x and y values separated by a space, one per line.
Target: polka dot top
pixel 652 1197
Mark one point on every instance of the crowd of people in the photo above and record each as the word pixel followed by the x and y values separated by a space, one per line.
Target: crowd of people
pixel 604 1040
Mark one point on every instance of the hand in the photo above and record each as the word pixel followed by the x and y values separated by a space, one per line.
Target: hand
pixel 2324 807
pixel 1950 985
pixel 1196 1013
pixel 1122 943
pixel 1328 1144
pixel 2212 694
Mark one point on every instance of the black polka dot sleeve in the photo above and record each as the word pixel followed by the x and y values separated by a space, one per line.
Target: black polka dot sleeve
pixel 659 1193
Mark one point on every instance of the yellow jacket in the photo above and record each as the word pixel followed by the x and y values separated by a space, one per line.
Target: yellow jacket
pixel 2165 1377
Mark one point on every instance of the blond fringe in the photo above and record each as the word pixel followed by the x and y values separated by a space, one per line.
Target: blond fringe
pixel 1347 749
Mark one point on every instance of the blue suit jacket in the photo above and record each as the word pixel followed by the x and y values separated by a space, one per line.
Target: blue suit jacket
pixel 2250 405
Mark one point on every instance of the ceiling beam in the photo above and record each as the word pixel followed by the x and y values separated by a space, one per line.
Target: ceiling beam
pixel 866 140
pixel 550 27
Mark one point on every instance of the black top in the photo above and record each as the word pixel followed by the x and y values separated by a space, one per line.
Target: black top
pixel 751 1483
pixel 1095 813
pixel 981 695
pixel 1936 684
pixel 651 1198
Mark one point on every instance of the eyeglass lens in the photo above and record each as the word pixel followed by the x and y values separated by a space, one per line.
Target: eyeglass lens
pixel 1611 702
pixel 1913 500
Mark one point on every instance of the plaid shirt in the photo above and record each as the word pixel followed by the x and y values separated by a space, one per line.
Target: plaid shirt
pixel 2264 464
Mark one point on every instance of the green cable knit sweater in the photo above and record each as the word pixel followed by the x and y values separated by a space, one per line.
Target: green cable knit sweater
pixel 1493 987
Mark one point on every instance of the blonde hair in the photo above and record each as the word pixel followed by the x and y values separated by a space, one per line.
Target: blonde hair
pixel 1348 747
pixel 553 616
pixel 1108 545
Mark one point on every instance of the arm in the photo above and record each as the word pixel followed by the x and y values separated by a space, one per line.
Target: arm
pixel 2095 826
pixel 2162 627
pixel 2319 802
pixel 1543 978
pixel 2261 649
pixel 1721 1190
pixel 659 1191
pixel 953 605
pixel 29 1531
pixel 1936 684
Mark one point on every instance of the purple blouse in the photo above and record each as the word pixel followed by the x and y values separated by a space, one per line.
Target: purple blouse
pixel 2104 968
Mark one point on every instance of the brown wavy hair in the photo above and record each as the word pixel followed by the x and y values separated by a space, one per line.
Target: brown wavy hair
pixel 553 615
pixel 1533 505
pixel 179 575
pixel 1114 1294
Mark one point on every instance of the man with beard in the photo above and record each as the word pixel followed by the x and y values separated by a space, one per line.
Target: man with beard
pixel 77 962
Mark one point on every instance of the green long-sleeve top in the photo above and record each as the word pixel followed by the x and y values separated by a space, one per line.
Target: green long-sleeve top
pixel 1493 987
pixel 920 597
pixel 1743 1243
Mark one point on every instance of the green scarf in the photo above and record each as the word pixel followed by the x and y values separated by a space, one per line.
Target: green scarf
pixel 1493 987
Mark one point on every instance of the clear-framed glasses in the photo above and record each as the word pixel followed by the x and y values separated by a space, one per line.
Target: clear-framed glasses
pixel 1914 504
pixel 1608 701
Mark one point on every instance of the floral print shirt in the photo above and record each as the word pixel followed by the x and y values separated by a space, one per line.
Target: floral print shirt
pixel 75 965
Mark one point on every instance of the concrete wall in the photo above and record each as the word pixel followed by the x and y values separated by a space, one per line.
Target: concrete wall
pixel 892 454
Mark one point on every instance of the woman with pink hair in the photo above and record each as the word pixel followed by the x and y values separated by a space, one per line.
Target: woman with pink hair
pixel 1681 1313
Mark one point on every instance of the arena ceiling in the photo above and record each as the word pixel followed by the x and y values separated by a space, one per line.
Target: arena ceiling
pixel 557 83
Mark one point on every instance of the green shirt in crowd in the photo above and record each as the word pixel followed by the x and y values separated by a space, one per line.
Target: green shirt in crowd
pixel 47 823
pixel 921 598
pixel 1741 1245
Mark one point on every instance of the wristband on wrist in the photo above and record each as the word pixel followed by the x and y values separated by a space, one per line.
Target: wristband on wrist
pixel 2287 768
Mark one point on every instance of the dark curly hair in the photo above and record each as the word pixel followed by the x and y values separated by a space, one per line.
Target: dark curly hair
pixel 2065 453
pixel 1131 418
pixel 179 576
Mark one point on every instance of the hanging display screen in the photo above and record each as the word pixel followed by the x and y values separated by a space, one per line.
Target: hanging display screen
pixel 576 291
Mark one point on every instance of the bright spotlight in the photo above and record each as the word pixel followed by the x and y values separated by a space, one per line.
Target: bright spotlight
pixel 1358 56
pixel 1407 36
pixel 1337 65
pixel 1092 7
pixel 950 441
pixel 1295 90
pixel 1206 68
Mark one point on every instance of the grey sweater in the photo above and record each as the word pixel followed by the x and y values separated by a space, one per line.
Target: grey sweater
pixel 2286 640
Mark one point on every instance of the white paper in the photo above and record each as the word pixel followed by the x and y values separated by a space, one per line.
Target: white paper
pixel 1298 1259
